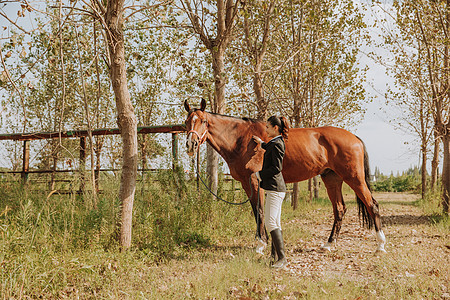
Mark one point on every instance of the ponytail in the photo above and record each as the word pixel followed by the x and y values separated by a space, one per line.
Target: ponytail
pixel 284 128
pixel 282 123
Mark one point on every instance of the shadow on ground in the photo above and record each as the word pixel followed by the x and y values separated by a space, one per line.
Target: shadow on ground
pixel 405 220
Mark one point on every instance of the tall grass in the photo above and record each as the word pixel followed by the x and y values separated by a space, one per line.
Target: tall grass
pixel 44 237
pixel 186 244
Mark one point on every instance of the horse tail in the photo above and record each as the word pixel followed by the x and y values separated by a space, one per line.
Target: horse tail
pixel 363 213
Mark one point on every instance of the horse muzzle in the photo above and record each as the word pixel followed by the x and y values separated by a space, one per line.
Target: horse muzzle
pixel 192 144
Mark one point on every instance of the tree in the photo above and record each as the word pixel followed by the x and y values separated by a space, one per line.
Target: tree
pixel 256 30
pixel 411 98
pixel 321 83
pixel 215 30
pixel 423 41
pixel 147 52
pixel 113 21
pixel 53 83
pixel 84 20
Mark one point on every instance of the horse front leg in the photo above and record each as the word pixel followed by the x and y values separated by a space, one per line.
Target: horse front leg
pixel 339 212
pixel 257 201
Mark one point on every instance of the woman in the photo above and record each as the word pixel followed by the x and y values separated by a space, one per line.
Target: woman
pixel 273 183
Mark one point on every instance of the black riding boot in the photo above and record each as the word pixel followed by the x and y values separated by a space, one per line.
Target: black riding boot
pixel 277 240
pixel 273 254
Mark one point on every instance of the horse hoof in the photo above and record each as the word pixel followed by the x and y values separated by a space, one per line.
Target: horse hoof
pixel 326 247
pixel 260 247
pixel 381 250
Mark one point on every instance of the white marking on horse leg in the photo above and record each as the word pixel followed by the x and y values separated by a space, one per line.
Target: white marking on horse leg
pixel 328 245
pixel 381 241
pixel 261 245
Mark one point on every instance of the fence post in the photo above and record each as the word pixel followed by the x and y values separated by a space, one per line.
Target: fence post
pixel 294 196
pixel 82 162
pixel 174 150
pixel 25 161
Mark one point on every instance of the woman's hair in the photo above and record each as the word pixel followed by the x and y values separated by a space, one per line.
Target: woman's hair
pixel 282 123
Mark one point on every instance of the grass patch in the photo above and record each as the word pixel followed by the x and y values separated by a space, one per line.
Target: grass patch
pixel 186 244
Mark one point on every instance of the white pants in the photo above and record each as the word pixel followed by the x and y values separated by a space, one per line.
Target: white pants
pixel 272 210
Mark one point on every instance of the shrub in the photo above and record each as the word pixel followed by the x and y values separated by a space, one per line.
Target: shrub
pixel 409 181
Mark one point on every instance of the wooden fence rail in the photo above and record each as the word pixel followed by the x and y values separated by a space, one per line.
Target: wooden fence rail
pixel 82 134
pixel 177 128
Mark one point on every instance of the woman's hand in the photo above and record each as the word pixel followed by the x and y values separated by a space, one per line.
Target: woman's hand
pixel 257 140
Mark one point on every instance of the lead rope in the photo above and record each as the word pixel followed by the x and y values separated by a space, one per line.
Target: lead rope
pixel 257 234
pixel 218 197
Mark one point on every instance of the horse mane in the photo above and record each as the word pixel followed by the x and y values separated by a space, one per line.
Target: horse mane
pixel 246 119
pixel 251 120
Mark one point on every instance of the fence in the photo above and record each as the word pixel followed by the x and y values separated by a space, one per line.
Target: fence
pixel 27 138
pixel 82 134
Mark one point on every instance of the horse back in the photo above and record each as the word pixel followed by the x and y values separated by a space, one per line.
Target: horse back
pixel 310 151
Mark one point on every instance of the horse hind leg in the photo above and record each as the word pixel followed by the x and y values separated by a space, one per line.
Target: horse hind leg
pixel 381 239
pixel 333 184
pixel 368 210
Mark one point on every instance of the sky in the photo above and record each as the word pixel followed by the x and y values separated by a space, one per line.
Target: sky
pixel 390 150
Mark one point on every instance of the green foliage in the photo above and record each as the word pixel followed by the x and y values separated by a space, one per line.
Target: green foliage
pixel 177 216
pixel 409 181
pixel 311 70
pixel 170 216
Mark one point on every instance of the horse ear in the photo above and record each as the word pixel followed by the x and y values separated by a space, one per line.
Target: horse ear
pixel 187 106
pixel 203 105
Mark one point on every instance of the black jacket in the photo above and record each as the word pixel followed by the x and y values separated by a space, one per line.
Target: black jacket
pixel 271 177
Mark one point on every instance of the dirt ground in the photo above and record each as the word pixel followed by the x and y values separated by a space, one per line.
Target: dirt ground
pixel 353 257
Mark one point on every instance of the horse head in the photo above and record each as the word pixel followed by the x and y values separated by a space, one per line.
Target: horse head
pixel 196 127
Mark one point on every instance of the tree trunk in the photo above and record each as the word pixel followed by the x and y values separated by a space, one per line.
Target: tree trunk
pixel 144 154
pixel 446 172
pixel 446 126
pixel 435 163
pixel 126 118
pixel 55 157
pixel 310 190
pixel 212 165
pixel 82 163
pixel 316 187
pixel 259 92
pixel 424 171
pixel 212 168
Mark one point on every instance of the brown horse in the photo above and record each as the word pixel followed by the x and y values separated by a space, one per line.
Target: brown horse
pixel 335 154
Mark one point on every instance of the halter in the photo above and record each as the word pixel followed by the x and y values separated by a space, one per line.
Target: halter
pixel 198 135
pixel 201 138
